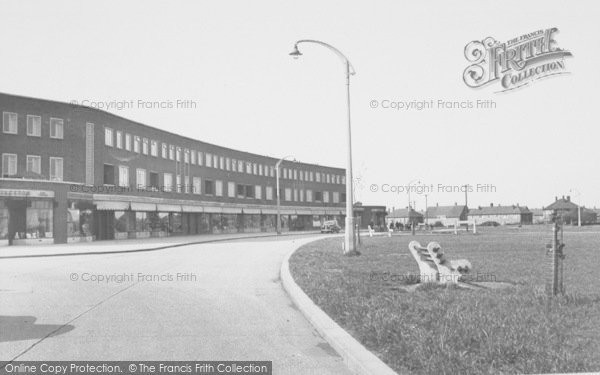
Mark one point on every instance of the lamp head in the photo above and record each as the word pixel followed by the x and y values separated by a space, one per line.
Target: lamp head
pixel 295 53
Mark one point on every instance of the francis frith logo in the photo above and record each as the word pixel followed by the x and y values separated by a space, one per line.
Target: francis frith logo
pixel 515 63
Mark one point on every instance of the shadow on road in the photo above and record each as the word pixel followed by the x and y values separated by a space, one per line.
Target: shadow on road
pixel 16 328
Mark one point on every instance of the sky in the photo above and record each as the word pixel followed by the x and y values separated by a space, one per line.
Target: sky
pixel 228 61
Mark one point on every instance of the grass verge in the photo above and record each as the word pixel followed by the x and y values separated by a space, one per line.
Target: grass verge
pixel 450 330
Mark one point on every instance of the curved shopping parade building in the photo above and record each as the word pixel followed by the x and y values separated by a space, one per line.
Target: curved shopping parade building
pixel 72 173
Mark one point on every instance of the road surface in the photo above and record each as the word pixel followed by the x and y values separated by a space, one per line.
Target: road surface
pixel 220 301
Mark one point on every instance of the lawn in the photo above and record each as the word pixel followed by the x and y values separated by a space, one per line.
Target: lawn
pixel 451 330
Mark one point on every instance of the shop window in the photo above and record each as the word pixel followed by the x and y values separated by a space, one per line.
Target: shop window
pixel 142 224
pixel 39 217
pixel 3 221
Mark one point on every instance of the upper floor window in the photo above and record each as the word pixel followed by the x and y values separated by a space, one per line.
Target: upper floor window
pixel 288 194
pixel 248 167
pixel 178 154
pixel 154 148
pixel 140 178
pixel 336 197
pixel 196 185
pixel 240 166
pixel 309 196
pixel 145 146
pixel 9 165
pixel 227 164
pixel 56 169
pixel 200 158
pixel 258 192
pixel 254 168
pixel 123 176
pixel 209 187
pixel 109 174
pixel 219 188
pixel 164 150
pixel 119 139
pixel 168 182
pixel 318 175
pixel 56 128
pixel 208 160
pixel 343 180
pixel 325 197
pixel 136 144
pixel 171 152
pixel 193 157
pixel 269 192
pixel 108 137
pixel 34 164
pixel 34 126
pixel 9 122
pixel 186 156
pixel 127 141
pixel 222 162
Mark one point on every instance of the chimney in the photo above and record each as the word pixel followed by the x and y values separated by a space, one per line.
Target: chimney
pixel 563 198
pixel 568 198
pixel 456 204
pixel 437 204
pixel 555 198
pixel 491 205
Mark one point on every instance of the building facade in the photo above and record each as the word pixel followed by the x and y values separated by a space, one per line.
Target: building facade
pixel 446 215
pixel 501 215
pixel 370 215
pixel 72 173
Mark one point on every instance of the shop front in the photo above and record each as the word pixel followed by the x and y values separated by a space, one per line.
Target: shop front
pixel 26 217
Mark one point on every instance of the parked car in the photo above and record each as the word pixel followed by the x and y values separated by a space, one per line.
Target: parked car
pixel 330 226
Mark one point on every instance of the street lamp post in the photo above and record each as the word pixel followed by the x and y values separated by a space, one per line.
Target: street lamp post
pixel 349 240
pixel 277 165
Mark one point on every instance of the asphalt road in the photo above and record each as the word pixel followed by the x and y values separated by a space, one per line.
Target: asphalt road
pixel 220 301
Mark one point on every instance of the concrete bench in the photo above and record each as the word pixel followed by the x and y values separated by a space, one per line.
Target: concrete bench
pixel 433 265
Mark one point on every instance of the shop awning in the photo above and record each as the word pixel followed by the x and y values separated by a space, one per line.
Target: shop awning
pixel 304 212
pixel 268 211
pixel 136 206
pixel 288 212
pixel 232 210
pixel 318 212
pixel 168 207
pixel 252 211
pixel 111 206
pixel 212 210
pixel 192 208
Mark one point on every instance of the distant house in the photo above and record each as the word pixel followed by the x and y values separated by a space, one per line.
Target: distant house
pixel 539 216
pixel 404 216
pixel 503 215
pixel 370 214
pixel 597 211
pixel 569 211
pixel 446 215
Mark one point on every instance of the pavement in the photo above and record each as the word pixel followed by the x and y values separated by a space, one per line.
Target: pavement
pixel 211 301
pixel 130 245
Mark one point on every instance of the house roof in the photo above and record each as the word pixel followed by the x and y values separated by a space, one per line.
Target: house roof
pixel 499 210
pixel 403 213
pixel 447 211
pixel 562 205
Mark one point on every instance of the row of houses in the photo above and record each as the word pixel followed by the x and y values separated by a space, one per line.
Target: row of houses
pixel 495 214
